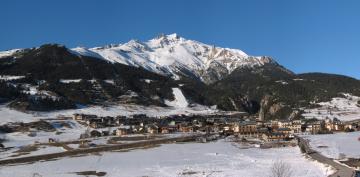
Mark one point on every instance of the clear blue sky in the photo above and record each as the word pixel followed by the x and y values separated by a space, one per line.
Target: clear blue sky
pixel 304 36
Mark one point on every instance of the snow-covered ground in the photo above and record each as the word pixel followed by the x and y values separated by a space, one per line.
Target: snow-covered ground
pixel 127 110
pixel 18 139
pixel 337 146
pixel 10 115
pixel 344 109
pixel 192 159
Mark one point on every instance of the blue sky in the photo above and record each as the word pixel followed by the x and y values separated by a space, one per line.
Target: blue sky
pixel 304 36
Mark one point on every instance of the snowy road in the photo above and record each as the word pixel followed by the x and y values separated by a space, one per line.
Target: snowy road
pixel 342 170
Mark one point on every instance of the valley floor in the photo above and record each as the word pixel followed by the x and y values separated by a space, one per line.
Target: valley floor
pixel 218 158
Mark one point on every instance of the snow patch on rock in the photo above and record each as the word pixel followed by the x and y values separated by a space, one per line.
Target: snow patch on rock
pixel 9 77
pixel 67 81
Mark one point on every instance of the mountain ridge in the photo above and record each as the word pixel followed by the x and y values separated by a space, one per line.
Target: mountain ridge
pixel 175 56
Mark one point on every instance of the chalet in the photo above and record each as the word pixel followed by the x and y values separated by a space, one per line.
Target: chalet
pixel 186 129
pixel 95 123
pixel 297 122
pixel 137 129
pixel 164 130
pixel 108 121
pixel 296 126
pixel 260 123
pixel 334 125
pixel 152 129
pixel 197 123
pixel 209 129
pixel 168 129
pixel 225 127
pixel 274 124
pixel 263 130
pixel 351 127
pixel 315 127
pixel 236 127
pixel 82 117
pixel 77 116
pixel 284 124
pixel 275 136
pixel 120 120
pixel 210 120
pixel 286 131
pixel 122 131
pixel 267 124
pixel 172 123
pixel 247 127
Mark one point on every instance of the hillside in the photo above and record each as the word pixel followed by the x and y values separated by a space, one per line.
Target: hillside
pixel 42 78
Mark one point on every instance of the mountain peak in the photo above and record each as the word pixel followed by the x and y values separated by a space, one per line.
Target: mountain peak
pixel 165 40
pixel 174 56
pixel 168 36
pixel 173 36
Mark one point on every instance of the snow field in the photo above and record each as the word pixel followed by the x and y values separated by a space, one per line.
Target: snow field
pixel 198 159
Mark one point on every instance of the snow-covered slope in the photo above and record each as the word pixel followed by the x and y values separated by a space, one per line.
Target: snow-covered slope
pixel 175 56
pixel 344 108
pixel 8 52
pixel 179 101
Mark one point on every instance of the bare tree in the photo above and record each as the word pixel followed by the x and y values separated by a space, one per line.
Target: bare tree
pixel 280 169
pixel 36 175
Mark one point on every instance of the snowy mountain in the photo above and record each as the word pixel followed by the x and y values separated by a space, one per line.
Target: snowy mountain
pixel 167 71
pixel 174 56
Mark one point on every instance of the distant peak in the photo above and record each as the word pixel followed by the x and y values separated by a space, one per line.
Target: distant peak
pixel 173 36
pixel 52 45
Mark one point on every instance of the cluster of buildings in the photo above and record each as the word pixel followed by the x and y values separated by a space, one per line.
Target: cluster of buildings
pixel 275 130
pixel 241 126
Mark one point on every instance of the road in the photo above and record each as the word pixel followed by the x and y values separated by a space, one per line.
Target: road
pixel 341 170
